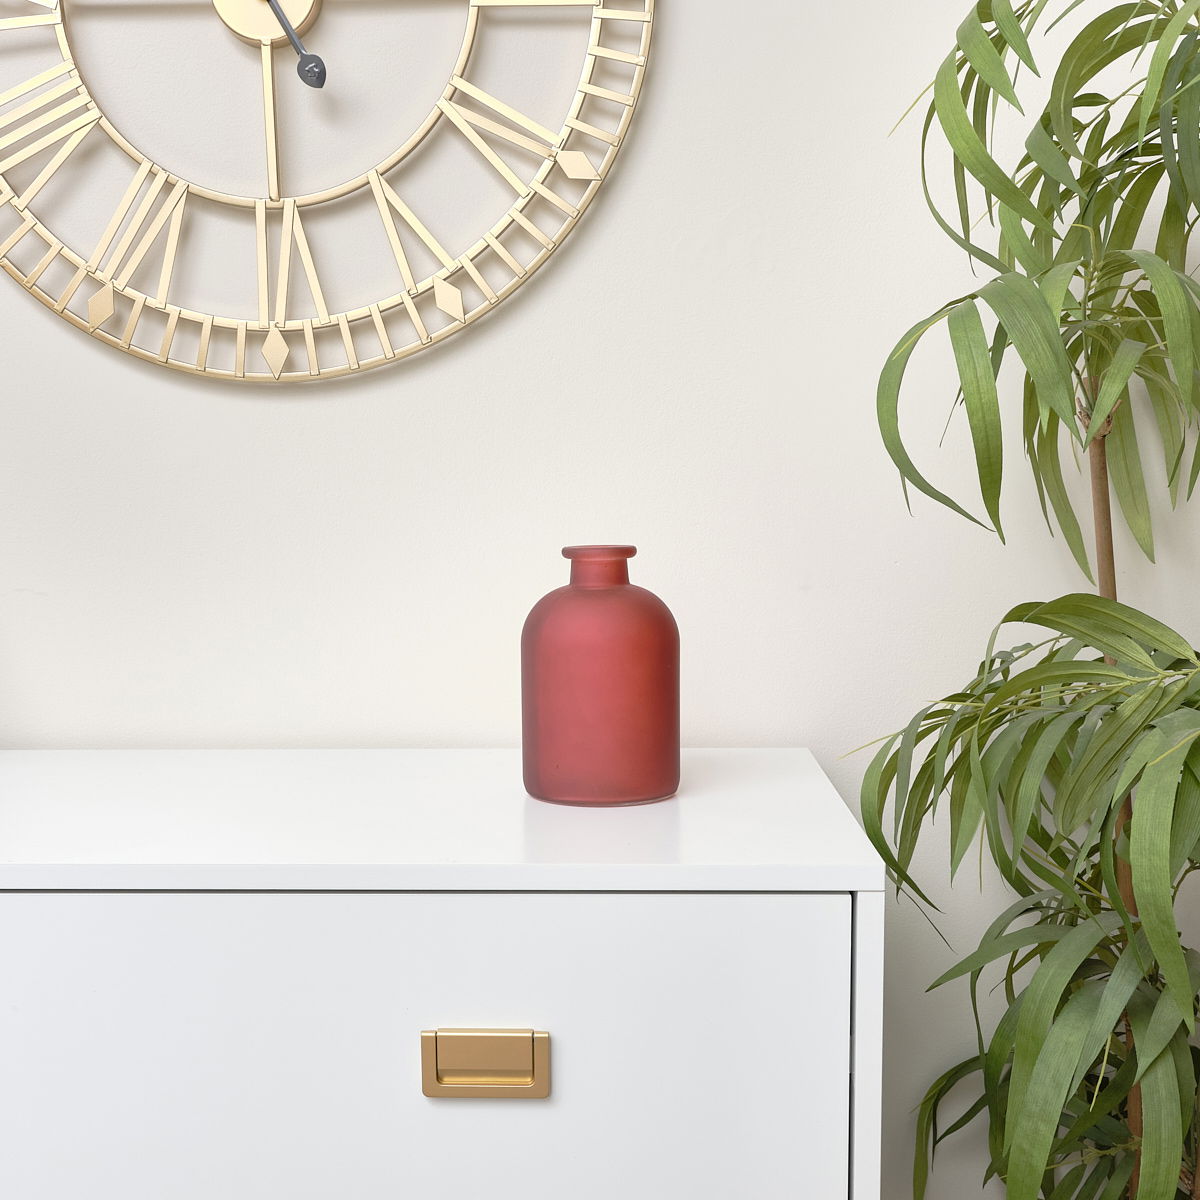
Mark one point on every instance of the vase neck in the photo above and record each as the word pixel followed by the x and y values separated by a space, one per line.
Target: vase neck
pixel 599 566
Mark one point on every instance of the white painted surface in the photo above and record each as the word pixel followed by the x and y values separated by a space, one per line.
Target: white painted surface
pixel 868 984
pixel 183 566
pixel 266 1047
pixel 744 820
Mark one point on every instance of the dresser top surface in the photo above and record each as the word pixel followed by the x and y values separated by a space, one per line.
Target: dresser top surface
pixel 422 820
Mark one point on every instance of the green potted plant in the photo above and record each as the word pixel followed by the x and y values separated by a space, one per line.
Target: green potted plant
pixel 1075 755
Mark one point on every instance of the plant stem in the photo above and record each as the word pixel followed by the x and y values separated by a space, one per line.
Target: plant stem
pixel 1106 580
pixel 1106 567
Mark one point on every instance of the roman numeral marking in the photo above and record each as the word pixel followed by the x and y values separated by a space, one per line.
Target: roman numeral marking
pixel 469 124
pixel 49 170
pixel 384 197
pixel 155 212
pixel 45 126
pixel 388 202
pixel 31 21
pixel 534 3
pixel 293 235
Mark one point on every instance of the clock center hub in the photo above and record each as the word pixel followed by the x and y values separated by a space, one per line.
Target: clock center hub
pixel 253 21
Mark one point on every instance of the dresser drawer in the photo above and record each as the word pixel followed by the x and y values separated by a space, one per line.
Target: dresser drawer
pixel 266 1046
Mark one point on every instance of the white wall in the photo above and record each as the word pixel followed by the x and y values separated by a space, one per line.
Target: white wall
pixel 183 564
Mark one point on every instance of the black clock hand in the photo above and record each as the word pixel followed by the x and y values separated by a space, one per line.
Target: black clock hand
pixel 310 68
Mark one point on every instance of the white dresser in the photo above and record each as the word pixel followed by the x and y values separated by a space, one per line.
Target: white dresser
pixel 216 969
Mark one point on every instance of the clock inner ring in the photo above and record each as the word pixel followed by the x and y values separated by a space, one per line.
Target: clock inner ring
pixel 302 200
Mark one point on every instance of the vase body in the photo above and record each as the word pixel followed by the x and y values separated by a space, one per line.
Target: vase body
pixel 600 687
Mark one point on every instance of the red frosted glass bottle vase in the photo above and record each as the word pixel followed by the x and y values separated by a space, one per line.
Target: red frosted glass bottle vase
pixel 600 687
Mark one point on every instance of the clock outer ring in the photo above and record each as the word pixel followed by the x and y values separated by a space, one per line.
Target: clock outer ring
pixel 338 371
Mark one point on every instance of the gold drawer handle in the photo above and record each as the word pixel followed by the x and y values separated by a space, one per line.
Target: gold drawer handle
pixel 485 1064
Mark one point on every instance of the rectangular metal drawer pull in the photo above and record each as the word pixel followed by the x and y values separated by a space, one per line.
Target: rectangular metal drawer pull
pixel 491 1064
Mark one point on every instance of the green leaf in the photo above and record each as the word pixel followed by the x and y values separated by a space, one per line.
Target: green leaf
pixel 1066 1189
pixel 1114 385
pixel 1131 966
pixel 969 150
pixel 1002 946
pixel 1016 244
pixel 1057 675
pixel 1044 151
pixel 1128 480
pixel 1131 214
pixel 1055 285
pixel 1177 308
pixel 1109 626
pixel 1150 850
pixel 1031 325
pixel 1120 1179
pixel 927 1121
pixel 1029 794
pixel 984 57
pixel 1083 794
pixel 982 402
pixel 1010 29
pixel 1185 828
pixel 1042 998
pixel 1152 89
pixel 1048 472
pixel 1036 1120
pixel 888 413
pixel 1098 39
pixel 1162 1133
pixel 959 239
pixel 1155 1020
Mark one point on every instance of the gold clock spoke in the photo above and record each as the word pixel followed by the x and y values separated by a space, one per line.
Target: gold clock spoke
pixel 270 120
pixel 263 273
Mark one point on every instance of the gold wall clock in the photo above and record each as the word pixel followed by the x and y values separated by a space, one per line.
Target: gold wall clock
pixel 288 190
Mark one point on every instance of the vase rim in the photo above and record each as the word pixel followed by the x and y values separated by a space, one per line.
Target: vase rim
pixel 598 553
